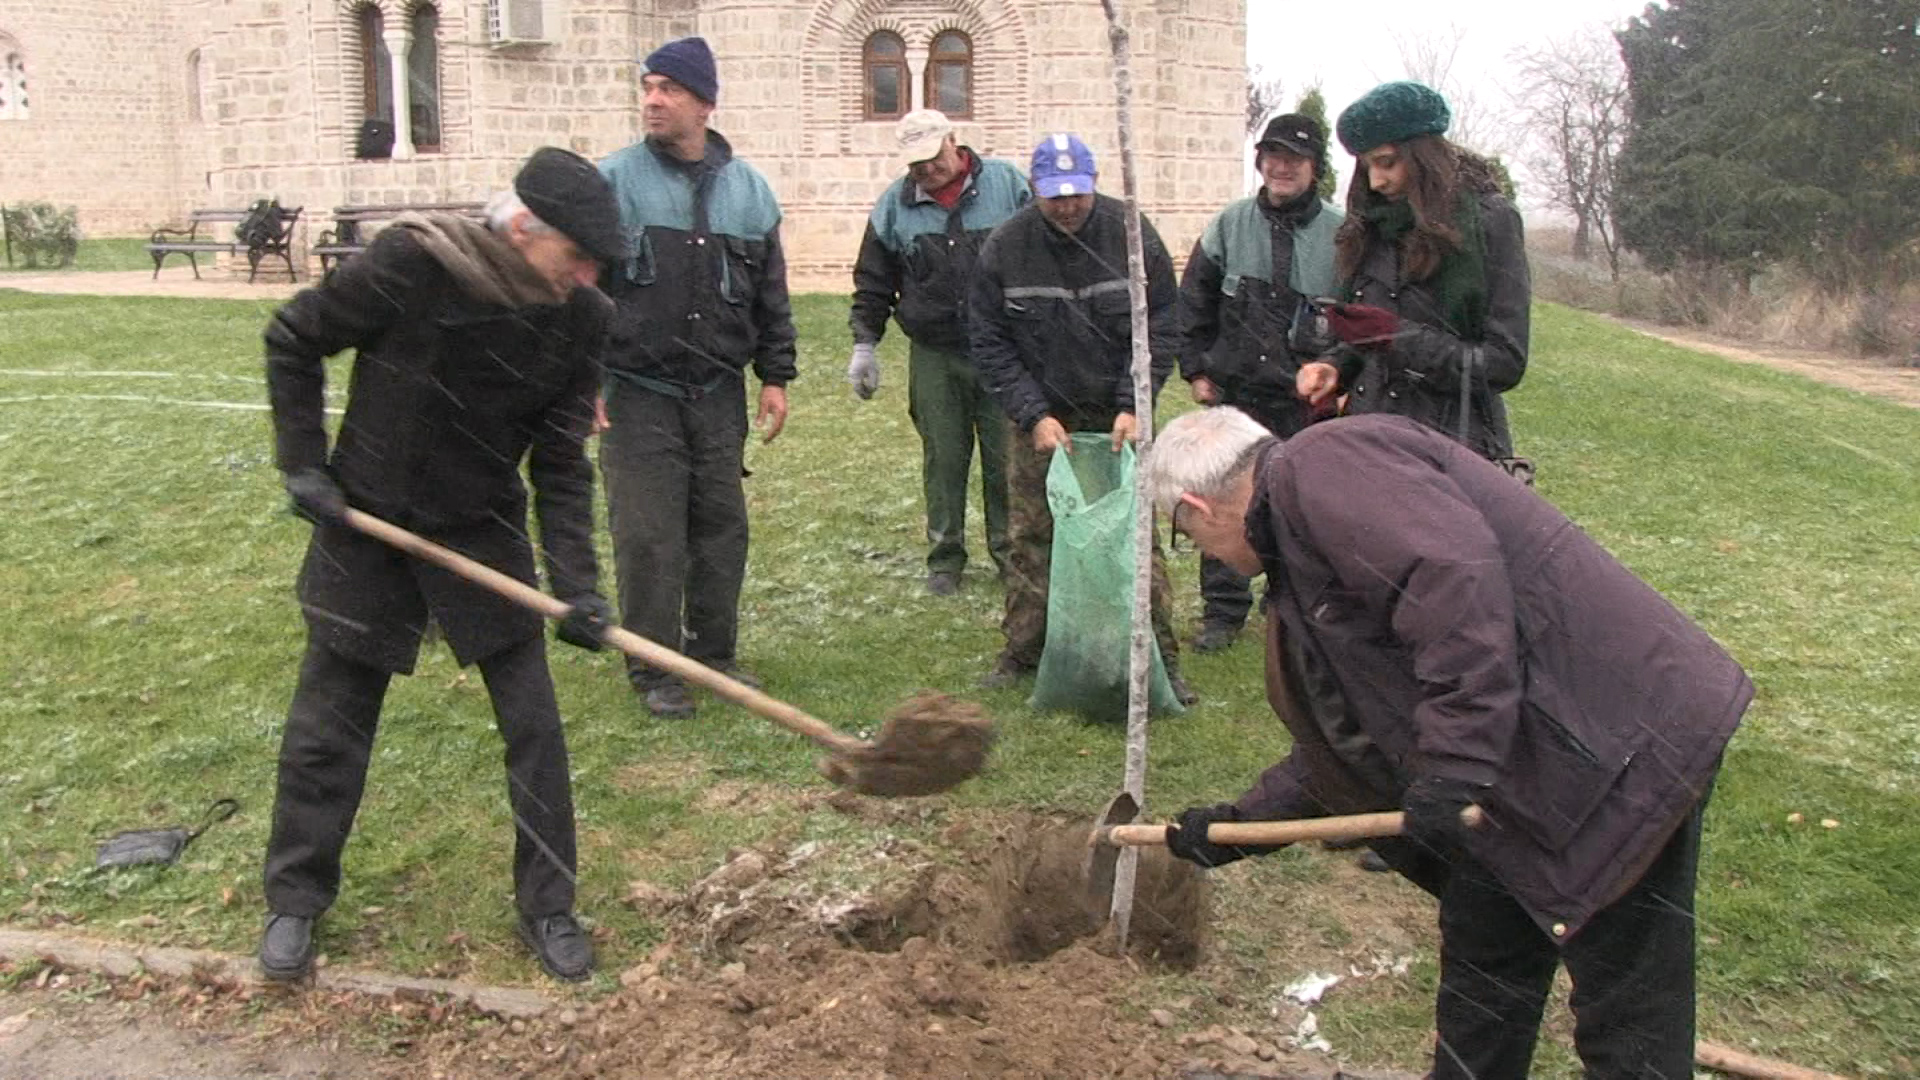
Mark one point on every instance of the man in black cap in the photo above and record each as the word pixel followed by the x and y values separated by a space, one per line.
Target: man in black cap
pixel 700 295
pixel 1247 330
pixel 478 349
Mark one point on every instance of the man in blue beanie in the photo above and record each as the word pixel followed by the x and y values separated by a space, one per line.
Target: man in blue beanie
pixel 700 296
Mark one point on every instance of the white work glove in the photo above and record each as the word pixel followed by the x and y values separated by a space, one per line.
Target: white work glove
pixel 863 371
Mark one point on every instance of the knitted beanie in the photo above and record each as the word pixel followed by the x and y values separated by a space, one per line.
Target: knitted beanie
pixel 1390 113
pixel 688 62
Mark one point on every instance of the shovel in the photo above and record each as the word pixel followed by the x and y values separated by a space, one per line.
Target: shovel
pixel 926 745
pixel 1115 830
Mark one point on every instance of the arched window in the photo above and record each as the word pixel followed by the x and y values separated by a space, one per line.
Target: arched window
pixel 195 110
pixel 376 66
pixel 888 82
pixel 950 75
pixel 423 79
pixel 13 80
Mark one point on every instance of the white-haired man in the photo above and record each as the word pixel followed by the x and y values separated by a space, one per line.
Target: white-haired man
pixel 478 349
pixel 1440 637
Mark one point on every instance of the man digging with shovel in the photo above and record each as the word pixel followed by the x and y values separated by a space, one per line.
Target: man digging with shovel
pixel 1442 640
pixel 478 347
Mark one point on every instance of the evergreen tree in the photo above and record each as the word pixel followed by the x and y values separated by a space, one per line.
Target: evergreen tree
pixel 1314 104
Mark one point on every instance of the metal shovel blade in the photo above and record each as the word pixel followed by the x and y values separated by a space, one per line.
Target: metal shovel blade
pixel 1103 857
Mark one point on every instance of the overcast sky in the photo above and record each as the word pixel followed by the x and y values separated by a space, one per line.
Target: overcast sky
pixel 1350 48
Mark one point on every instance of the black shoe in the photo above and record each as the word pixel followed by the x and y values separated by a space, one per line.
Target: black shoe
pixel 943 582
pixel 669 700
pixel 1371 862
pixel 1184 694
pixel 1213 637
pixel 734 671
pixel 286 948
pixel 564 949
pixel 1006 671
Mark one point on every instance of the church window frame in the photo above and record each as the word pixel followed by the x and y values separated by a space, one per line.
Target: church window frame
pixel 950 56
pixel 883 59
pixel 14 99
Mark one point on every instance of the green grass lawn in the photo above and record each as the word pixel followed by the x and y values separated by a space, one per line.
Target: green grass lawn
pixel 95 253
pixel 148 560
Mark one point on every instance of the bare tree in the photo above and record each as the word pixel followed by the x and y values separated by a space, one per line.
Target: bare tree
pixel 1263 96
pixel 1430 58
pixel 1570 95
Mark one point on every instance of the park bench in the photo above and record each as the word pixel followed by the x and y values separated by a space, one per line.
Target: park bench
pixel 350 234
pixel 262 231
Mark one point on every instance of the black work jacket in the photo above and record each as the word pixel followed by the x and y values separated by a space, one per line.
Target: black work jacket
pixel 448 396
pixel 1432 616
pixel 1050 322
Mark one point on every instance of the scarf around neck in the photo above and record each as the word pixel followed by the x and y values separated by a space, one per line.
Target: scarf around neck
pixel 487 267
pixel 1459 284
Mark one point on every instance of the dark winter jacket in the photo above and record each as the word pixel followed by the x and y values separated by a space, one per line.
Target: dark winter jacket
pixel 704 291
pixel 448 396
pixel 1050 323
pixel 1423 373
pixel 1433 617
pixel 1241 292
pixel 917 255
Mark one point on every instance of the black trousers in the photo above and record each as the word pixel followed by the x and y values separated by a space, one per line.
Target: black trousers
pixel 672 469
pixel 323 770
pixel 1632 969
pixel 1226 594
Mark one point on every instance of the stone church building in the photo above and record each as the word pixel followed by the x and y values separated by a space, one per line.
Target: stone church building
pixel 137 112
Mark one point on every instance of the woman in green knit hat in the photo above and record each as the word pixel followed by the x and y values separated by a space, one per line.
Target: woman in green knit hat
pixel 1433 277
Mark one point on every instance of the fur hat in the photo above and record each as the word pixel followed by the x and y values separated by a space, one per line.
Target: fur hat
pixel 567 192
pixel 1390 113
pixel 689 62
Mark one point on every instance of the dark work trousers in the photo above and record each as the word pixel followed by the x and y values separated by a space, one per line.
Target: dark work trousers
pixel 1030 564
pixel 1227 594
pixel 323 769
pixel 672 469
pixel 1632 968
pixel 949 410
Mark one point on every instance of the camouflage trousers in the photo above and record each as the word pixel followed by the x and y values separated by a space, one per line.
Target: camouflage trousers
pixel 1030 558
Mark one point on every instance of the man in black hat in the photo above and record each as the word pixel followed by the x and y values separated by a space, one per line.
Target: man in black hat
pixel 1246 327
pixel 478 349
pixel 700 297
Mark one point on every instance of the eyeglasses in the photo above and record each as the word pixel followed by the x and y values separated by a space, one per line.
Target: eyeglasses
pixel 1177 532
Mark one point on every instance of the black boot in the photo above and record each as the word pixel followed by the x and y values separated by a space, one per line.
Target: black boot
pixel 565 951
pixel 286 948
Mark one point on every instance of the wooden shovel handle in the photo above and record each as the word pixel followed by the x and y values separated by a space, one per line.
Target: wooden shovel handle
pixel 1728 1060
pixel 620 638
pixel 1350 827
pixel 1356 826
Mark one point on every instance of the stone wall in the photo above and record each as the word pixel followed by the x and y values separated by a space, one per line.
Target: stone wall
pixel 108 126
pixel 282 101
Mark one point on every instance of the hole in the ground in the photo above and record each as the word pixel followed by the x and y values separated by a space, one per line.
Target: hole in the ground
pixel 1029 899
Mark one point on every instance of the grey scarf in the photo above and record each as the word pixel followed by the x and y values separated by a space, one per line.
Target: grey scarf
pixel 482 261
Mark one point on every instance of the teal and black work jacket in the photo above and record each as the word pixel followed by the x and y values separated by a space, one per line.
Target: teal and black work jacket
pixel 1242 288
pixel 917 255
pixel 703 290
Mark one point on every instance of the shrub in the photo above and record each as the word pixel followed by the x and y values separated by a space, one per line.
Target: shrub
pixel 38 230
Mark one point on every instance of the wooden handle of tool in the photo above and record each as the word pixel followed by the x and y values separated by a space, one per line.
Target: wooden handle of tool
pixel 625 640
pixel 1350 827
pixel 1728 1060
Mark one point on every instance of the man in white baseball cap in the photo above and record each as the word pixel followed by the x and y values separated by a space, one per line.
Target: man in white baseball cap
pixel 915 261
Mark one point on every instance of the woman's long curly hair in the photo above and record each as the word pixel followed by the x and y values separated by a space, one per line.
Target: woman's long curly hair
pixel 1438 171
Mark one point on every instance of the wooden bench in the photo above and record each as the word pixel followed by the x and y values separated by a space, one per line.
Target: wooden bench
pixel 197 239
pixel 349 234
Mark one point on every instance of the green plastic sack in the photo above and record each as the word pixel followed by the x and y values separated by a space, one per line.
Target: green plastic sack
pixel 1090 588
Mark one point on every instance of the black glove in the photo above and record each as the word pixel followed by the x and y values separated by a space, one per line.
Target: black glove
pixel 316 497
pixel 1433 807
pixel 588 616
pixel 1187 839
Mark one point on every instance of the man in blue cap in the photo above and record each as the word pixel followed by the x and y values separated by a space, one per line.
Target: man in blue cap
pixel 701 295
pixel 1051 331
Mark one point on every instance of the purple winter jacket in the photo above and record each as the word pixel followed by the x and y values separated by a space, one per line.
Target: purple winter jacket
pixel 1428 615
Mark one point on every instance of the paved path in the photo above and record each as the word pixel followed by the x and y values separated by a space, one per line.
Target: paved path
pixel 173 281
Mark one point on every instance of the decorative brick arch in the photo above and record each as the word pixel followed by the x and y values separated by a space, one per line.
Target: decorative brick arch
pixel 831 77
